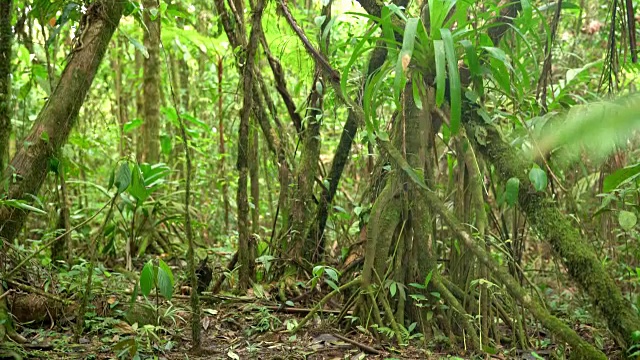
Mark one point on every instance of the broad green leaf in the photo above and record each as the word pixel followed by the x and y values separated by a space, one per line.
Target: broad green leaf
pixel 627 220
pixel 393 288
pixel 317 271
pixel 527 10
pixel 395 9
pixel 147 278
pixel 511 192
pixel 538 178
pixel 596 129
pixel 455 89
pixel 387 26
pixel 319 20
pixel 137 44
pixel 162 265
pixel 325 32
pixel 132 125
pixel 441 73
pixel 137 188
pixel 123 177
pixel 620 176
pixel 165 284
pixel 331 273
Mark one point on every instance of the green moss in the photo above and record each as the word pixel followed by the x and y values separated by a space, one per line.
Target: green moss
pixel 545 217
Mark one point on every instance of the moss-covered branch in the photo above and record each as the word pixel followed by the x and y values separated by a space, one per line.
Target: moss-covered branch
pixel 553 226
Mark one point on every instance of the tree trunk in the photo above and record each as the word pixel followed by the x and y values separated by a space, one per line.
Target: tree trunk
pixel 60 249
pixel 6 38
pixel 222 151
pixel 121 97
pixel 151 87
pixel 246 253
pixel 578 256
pixel 254 174
pixel 140 132
pixel 302 205
pixel 30 165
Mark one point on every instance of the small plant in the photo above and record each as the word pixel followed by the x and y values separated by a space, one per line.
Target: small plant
pixel 160 278
pixel 331 273
pixel 266 321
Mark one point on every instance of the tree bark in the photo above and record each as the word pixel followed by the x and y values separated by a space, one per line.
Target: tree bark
pixel 151 87
pixel 246 255
pixel 254 174
pixel 30 165
pixel 6 38
pixel 222 151
pixel 139 85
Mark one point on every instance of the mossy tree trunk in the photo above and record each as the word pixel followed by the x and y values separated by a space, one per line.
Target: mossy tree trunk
pixel 6 38
pixel 302 205
pixel 246 252
pixel 553 226
pixel 30 165
pixel 399 233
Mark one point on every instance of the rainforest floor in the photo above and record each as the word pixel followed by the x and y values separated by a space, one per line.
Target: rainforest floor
pixel 254 327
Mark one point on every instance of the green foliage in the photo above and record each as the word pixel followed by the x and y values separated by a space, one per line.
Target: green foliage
pixel 538 178
pixel 332 276
pixel 584 129
pixel 159 277
pixel 511 191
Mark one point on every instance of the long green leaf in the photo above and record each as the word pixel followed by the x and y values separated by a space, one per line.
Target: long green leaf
pixel 441 72
pixel 455 89
pixel 438 11
pixel 474 65
pixel 19 204
pixel 620 176
pixel 404 58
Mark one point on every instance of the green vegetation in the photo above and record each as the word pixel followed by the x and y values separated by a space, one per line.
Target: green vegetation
pixel 333 179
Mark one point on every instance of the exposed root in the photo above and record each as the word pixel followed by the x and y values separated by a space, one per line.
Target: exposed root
pixel 320 304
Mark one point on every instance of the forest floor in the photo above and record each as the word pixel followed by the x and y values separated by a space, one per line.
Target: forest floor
pixel 246 328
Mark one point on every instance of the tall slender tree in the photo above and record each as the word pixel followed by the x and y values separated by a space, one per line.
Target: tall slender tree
pixel 6 38
pixel 151 82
